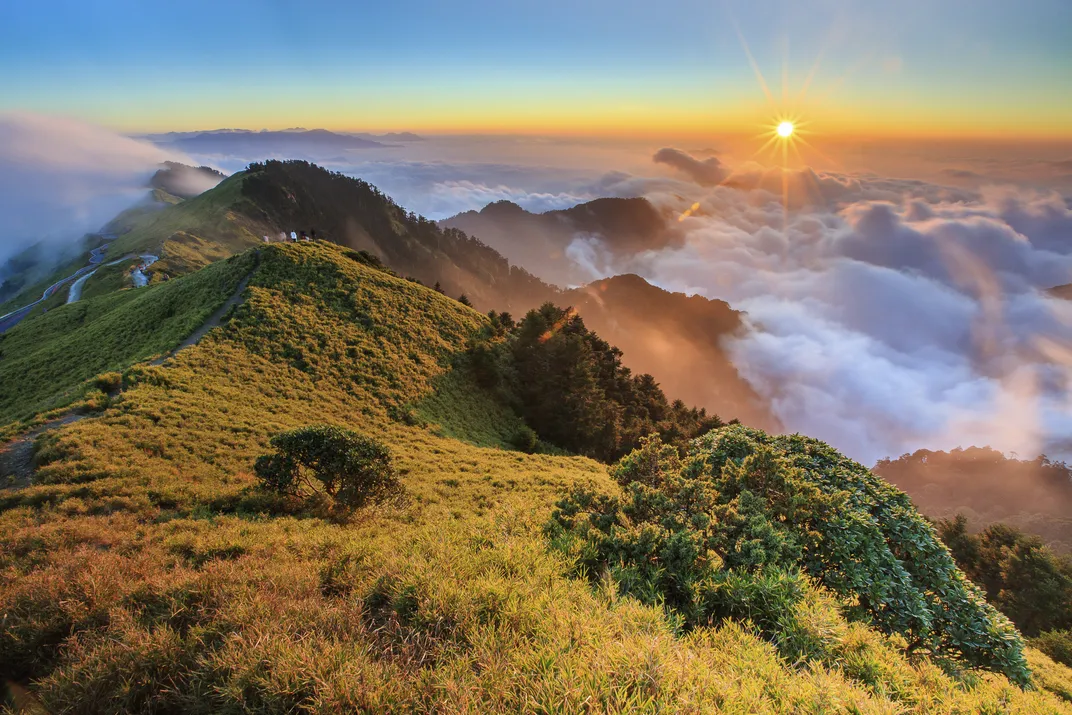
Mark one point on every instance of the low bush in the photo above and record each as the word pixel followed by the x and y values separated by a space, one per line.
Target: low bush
pixel 724 532
pixel 525 439
pixel 109 382
pixel 352 469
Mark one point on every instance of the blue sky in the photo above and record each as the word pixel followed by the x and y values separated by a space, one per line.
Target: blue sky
pixel 991 65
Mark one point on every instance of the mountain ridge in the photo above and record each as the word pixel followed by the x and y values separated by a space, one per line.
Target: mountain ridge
pixel 273 197
pixel 543 242
pixel 144 544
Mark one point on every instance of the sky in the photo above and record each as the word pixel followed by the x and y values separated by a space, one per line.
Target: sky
pixel 596 67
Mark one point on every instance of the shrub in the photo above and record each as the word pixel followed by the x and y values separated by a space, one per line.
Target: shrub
pixel 109 382
pixel 352 469
pixel 722 532
pixel 1056 644
pixel 525 439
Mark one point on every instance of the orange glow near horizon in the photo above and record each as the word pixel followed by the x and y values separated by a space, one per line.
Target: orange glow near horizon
pixel 570 116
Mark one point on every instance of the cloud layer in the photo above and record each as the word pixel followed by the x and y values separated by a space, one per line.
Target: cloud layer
pixel 60 178
pixel 888 315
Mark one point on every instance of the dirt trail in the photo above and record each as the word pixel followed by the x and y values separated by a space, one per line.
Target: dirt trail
pixel 213 320
pixel 16 457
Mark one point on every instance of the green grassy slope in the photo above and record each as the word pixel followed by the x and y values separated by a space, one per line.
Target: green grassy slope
pixel 33 292
pixel 210 222
pixel 298 196
pixel 109 279
pixel 143 572
pixel 44 361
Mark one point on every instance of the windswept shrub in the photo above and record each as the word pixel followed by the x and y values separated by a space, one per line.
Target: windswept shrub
pixel 722 532
pixel 108 382
pixel 352 469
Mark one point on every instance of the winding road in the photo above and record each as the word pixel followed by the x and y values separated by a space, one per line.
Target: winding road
pixel 75 293
pixel 96 257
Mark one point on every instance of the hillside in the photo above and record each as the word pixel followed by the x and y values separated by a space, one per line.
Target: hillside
pixel 677 338
pixel 648 322
pixel 542 242
pixel 989 488
pixel 43 361
pixel 143 570
pixel 276 197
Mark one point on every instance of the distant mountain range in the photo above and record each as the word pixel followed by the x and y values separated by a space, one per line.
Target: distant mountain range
pixel 311 143
pixel 175 136
pixel 556 245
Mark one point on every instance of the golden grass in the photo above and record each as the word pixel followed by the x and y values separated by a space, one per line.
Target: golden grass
pixel 143 573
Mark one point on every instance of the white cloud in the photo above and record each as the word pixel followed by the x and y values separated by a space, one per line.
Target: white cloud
pixel 888 315
pixel 60 178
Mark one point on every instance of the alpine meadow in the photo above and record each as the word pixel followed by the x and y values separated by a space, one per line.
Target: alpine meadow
pixel 607 358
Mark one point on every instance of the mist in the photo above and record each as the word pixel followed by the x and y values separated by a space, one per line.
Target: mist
pixel 61 178
pixel 884 315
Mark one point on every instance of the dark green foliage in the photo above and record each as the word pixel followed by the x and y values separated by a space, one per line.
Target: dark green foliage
pixel 1025 580
pixel 109 382
pixel 501 323
pixel 525 439
pixel 724 530
pixel 464 300
pixel 351 468
pixel 571 387
pixel 346 210
pixel 1056 644
pixel 372 261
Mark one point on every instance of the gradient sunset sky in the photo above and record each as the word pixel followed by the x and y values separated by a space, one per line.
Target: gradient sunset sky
pixel 911 67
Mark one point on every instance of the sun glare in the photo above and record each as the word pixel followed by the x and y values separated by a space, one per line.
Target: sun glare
pixel 785 129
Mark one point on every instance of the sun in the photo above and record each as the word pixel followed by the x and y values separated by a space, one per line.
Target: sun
pixel 785 130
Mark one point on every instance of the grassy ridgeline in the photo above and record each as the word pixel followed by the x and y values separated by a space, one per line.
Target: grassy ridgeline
pixel 47 359
pixel 142 572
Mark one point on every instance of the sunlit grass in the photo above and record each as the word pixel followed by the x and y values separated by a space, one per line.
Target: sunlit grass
pixel 143 571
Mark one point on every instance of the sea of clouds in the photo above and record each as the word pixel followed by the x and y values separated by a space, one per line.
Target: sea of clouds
pixel 885 314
